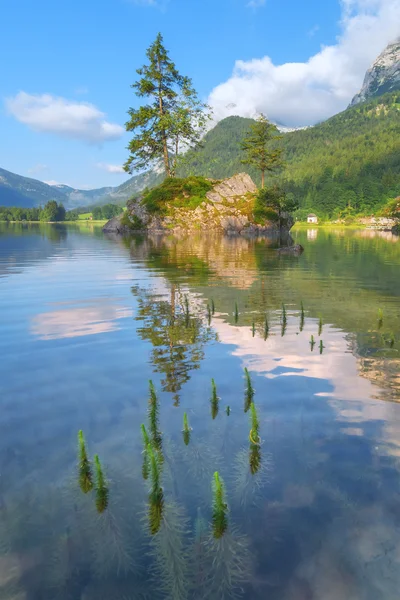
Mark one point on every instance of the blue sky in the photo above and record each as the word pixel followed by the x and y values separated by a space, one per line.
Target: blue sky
pixel 65 80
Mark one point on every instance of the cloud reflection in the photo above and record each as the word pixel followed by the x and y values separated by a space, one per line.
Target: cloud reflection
pixel 77 321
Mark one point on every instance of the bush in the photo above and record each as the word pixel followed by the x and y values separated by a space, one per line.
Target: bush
pixel 187 193
pixel 133 222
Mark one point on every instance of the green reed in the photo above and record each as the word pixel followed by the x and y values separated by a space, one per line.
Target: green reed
pixel 102 491
pixel 266 328
pixel 209 314
pixel 186 429
pixel 212 306
pixel 255 441
pixel 284 315
pixel 220 507
pixel 146 442
pixel 321 346
pixel 312 343
pixel 320 326
pixel 380 318
pixel 228 410
pixel 236 313
pixel 302 316
pixel 84 467
pixel 214 400
pixel 253 329
pixel 249 391
pixel 153 416
pixel 156 495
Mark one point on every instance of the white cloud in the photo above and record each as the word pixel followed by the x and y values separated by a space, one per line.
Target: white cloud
pixel 110 168
pixel 256 3
pixel 51 114
pixel 39 168
pixel 297 94
pixel 52 182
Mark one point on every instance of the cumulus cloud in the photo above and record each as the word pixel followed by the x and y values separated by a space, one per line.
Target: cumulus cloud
pixel 51 114
pixel 110 168
pixel 298 94
pixel 256 3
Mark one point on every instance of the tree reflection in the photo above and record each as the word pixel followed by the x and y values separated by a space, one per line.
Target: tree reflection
pixel 178 336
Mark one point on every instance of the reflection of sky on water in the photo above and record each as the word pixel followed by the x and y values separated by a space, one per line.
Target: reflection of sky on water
pixel 97 317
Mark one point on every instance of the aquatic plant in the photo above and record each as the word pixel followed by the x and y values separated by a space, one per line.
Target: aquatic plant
pixel 249 391
pixel 220 507
pixel 236 313
pixel 253 329
pixel 320 326
pixel 84 466
pixel 146 443
pixel 212 306
pixel 247 485
pixel 255 441
pixel 198 559
pixel 301 316
pixel 153 415
pixel 321 346
pixel 156 496
pixel 380 318
pixel 101 486
pixel 229 566
pixel 169 570
pixel 228 410
pixel 214 400
pixel 312 342
pixel 266 328
pixel 209 314
pixel 284 316
pixel 186 429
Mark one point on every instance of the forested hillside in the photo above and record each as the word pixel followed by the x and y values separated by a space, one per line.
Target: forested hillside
pixel 353 159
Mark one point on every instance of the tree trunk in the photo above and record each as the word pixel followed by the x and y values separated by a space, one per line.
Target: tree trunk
pixel 262 179
pixel 164 141
pixel 163 134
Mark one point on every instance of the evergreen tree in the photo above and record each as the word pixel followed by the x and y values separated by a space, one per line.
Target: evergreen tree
pixel 173 115
pixel 260 153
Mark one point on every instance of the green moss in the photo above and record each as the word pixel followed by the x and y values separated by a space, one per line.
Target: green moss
pixel 178 193
pixel 262 213
pixel 133 222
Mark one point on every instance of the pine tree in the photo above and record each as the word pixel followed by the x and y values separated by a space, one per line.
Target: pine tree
pixel 258 148
pixel 173 116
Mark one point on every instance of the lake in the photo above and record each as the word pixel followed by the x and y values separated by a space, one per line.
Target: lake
pixel 306 503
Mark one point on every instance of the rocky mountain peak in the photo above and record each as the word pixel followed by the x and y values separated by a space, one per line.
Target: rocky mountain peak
pixel 383 76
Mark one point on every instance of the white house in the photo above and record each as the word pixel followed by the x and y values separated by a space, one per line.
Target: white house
pixel 312 218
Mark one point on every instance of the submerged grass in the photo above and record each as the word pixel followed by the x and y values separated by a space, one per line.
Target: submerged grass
pixel 186 429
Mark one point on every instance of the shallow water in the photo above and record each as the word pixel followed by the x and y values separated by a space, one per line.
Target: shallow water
pixel 87 320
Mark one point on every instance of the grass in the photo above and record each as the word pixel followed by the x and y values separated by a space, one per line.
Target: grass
pixel 84 216
pixel 174 192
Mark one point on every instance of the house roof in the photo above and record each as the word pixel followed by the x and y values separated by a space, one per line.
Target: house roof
pixel 312 215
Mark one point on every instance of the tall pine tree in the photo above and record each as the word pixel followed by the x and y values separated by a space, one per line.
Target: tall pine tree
pixel 258 147
pixel 173 117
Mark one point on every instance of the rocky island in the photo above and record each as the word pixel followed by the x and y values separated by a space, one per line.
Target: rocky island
pixel 229 206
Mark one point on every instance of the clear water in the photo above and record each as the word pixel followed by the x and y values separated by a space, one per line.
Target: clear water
pixel 87 320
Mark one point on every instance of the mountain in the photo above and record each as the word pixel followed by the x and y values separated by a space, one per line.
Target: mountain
pixel 351 159
pixel 16 190
pixel 383 76
pixel 24 192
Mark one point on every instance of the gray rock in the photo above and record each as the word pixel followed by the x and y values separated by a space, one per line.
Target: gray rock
pixel 295 250
pixel 383 76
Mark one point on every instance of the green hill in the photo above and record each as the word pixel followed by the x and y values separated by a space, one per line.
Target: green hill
pixel 351 159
